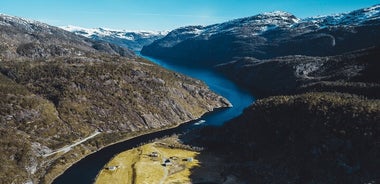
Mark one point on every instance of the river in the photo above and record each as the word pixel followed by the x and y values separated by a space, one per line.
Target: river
pixel 85 170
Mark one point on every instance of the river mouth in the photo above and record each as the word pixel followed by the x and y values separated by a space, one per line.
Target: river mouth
pixel 86 170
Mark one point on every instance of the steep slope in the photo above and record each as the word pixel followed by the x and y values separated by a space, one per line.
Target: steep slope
pixel 134 40
pixel 308 138
pixel 354 72
pixel 269 35
pixel 58 88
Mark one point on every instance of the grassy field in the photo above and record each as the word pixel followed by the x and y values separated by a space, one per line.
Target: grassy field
pixel 137 166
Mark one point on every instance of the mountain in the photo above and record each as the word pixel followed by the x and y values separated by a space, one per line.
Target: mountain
pixel 269 35
pixel 31 39
pixel 306 138
pixel 59 89
pixel 317 116
pixel 354 72
pixel 134 40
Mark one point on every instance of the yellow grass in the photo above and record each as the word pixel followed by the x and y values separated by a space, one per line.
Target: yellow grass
pixel 136 166
pixel 124 173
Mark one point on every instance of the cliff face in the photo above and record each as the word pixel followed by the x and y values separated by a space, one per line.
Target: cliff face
pixel 58 88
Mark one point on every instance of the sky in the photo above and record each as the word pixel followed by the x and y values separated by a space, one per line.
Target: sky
pixel 165 14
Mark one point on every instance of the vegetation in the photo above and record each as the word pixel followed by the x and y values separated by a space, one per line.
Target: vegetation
pixel 57 88
pixel 307 138
pixel 58 101
pixel 140 166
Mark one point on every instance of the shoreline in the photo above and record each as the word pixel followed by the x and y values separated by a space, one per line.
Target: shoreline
pixel 157 164
pixel 136 136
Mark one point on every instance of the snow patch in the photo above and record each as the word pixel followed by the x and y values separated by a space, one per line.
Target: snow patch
pixel 304 69
pixel 106 32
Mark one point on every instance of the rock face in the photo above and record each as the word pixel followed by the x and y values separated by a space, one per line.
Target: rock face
pixel 353 72
pixel 134 40
pixel 269 35
pixel 57 88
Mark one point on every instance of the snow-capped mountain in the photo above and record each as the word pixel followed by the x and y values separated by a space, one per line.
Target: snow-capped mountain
pixel 269 35
pixel 134 40
pixel 32 39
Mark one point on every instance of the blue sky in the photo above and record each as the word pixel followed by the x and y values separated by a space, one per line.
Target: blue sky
pixel 165 14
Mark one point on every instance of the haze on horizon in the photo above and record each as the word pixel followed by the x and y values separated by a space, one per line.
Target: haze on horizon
pixel 165 14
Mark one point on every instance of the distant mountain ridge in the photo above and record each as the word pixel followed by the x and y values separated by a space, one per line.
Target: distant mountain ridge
pixel 28 38
pixel 134 40
pixel 269 35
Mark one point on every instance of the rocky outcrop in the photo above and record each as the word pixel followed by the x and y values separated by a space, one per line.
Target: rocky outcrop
pixel 57 88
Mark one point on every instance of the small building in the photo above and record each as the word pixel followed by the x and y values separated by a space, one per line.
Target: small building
pixel 112 168
pixel 174 158
pixel 190 159
pixel 167 162
pixel 153 154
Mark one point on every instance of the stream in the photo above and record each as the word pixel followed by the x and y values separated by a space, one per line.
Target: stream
pixel 85 170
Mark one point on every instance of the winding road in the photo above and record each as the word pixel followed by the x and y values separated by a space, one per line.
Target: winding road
pixel 68 147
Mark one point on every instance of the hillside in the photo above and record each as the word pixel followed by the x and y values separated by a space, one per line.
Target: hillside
pixel 58 88
pixel 308 138
pixel 318 114
pixel 353 72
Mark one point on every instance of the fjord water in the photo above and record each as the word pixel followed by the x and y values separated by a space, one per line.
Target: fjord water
pixel 85 170
pixel 218 83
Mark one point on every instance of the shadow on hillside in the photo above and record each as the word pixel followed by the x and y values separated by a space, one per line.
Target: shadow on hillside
pixel 213 168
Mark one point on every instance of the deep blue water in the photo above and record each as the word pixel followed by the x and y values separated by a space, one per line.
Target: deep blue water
pixel 85 170
pixel 239 97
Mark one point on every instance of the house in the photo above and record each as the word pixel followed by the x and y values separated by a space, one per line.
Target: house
pixel 153 154
pixel 167 162
pixel 174 158
pixel 190 159
pixel 112 168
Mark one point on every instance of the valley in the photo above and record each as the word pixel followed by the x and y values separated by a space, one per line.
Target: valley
pixel 270 98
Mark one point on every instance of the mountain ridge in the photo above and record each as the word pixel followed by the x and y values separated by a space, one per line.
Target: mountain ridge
pixel 134 40
pixel 317 116
pixel 268 35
